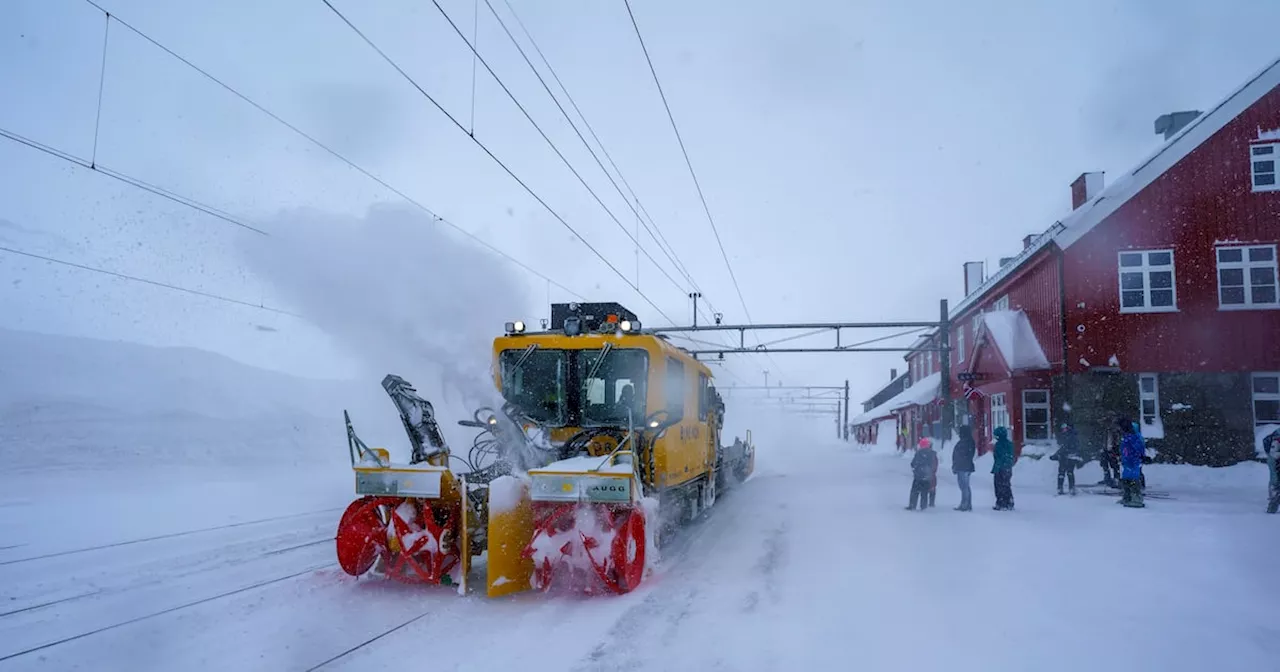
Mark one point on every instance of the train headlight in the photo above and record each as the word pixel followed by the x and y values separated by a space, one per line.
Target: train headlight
pixel 630 326
pixel 516 327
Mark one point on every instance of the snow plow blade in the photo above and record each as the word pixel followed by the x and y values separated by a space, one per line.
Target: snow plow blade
pixel 510 528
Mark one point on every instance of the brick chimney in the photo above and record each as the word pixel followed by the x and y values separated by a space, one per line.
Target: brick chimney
pixel 1085 189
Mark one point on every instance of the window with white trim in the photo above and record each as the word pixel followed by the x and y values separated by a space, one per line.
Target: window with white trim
pixel 1262 159
pixel 1001 303
pixel 999 413
pixel 1035 415
pixel 1147 281
pixel 1247 277
pixel 1148 398
pixel 960 343
pixel 1266 398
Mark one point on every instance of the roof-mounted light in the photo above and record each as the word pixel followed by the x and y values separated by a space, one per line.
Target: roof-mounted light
pixel 516 327
pixel 630 326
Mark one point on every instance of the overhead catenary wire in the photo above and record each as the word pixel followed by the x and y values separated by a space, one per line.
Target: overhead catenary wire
pixel 649 226
pixel 689 163
pixel 638 209
pixel 130 180
pixel 373 45
pixel 102 84
pixel 332 152
pixel 147 281
pixel 550 143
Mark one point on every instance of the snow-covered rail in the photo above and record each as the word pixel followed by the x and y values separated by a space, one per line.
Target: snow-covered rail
pixel 171 535
pixel 187 605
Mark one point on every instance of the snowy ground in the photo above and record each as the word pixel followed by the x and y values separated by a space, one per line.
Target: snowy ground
pixel 812 564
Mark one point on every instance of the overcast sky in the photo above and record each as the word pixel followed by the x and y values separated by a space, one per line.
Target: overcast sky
pixel 853 155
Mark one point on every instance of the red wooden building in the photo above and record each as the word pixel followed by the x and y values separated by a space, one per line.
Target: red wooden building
pixel 1156 298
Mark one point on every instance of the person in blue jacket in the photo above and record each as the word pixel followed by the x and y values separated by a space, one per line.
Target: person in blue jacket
pixel 1132 451
pixel 1002 468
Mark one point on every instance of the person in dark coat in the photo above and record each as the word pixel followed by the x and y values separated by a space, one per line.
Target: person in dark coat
pixel 1109 458
pixel 1271 446
pixel 923 466
pixel 1002 467
pixel 1131 454
pixel 1068 456
pixel 933 481
pixel 962 465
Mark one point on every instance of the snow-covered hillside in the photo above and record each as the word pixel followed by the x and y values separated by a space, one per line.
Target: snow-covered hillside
pixel 85 403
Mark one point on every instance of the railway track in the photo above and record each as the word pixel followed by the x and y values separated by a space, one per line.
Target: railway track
pixel 169 610
pixel 160 537
pixel 127 588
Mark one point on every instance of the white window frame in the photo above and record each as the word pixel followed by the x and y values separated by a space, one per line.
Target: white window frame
pixel 1001 303
pixel 1261 152
pixel 1256 396
pixel 960 343
pixel 1146 269
pixel 1246 267
pixel 1048 416
pixel 1153 396
pixel 996 412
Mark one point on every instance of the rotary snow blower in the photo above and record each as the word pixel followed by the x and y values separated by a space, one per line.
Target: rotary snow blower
pixel 608 437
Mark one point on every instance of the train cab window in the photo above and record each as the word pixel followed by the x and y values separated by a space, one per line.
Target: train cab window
pixel 704 404
pixel 675 386
pixel 535 383
pixel 614 393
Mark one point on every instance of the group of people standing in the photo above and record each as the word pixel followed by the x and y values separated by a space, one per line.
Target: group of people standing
pixel 1124 442
pixel 1122 456
pixel 924 470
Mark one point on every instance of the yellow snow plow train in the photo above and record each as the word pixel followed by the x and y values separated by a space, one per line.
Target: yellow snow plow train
pixel 608 437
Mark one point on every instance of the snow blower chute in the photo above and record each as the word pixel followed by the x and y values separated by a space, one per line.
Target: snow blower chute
pixel 608 437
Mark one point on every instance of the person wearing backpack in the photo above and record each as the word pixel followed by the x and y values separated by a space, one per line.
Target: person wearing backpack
pixel 962 465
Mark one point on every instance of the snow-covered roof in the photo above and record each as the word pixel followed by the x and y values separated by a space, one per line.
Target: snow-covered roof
pixel 922 392
pixel 1074 226
pixel 1011 332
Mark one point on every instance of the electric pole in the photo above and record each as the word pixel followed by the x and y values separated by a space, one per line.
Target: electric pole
pixel 695 296
pixel 845 430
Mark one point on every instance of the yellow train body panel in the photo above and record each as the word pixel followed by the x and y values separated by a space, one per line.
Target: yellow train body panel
pixel 674 381
pixel 510 528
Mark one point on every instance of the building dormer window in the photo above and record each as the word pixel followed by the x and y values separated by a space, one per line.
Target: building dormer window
pixel 1263 158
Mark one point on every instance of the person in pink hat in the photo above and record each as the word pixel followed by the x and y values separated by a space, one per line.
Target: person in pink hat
pixel 924 467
